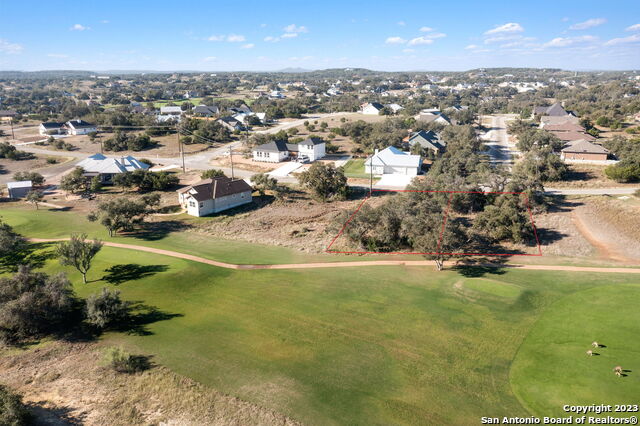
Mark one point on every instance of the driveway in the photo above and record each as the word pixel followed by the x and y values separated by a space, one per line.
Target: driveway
pixel 285 169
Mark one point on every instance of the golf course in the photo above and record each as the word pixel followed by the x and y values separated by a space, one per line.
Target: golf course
pixel 363 345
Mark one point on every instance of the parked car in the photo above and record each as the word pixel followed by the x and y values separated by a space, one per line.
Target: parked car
pixel 303 159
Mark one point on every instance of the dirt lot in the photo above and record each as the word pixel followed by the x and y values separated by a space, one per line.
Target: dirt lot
pixel 588 176
pixel 66 383
pixel 302 223
pixel 38 164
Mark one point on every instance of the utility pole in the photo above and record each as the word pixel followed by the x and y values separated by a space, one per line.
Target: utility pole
pixel 371 176
pixel 180 147
pixel 13 136
pixel 231 158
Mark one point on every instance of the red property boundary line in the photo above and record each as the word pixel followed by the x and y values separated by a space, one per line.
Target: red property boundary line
pixel 444 223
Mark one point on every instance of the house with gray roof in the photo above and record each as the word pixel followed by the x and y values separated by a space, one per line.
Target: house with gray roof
pixel 214 195
pixel 278 151
pixel 19 189
pixel 106 167
pixel 393 161
pixel 206 111
pixel 427 139
pixel 584 150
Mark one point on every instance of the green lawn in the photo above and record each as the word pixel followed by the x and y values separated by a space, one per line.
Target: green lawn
pixel 552 367
pixel 384 345
pixel 367 346
pixel 355 169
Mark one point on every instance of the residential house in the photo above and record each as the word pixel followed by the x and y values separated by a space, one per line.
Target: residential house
pixel 231 123
pixel 241 109
pixel 169 113
pixel 584 150
pixel 395 108
pixel 79 127
pixel 426 139
pixel 214 195
pixel 52 128
pixel 106 167
pixel 19 189
pixel 206 111
pixel 433 115
pixel 7 114
pixel 573 136
pixel 554 120
pixel 393 161
pixel 555 110
pixel 371 108
pixel 278 151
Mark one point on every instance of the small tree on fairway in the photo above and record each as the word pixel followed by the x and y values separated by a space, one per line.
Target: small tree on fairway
pixel 123 214
pixel 105 308
pixel 74 181
pixel 35 197
pixel 78 252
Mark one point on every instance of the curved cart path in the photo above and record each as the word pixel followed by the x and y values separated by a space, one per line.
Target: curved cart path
pixel 342 264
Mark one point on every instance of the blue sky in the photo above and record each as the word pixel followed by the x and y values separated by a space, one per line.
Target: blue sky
pixel 270 35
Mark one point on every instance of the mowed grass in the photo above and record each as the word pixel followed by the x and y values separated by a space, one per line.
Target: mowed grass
pixel 354 168
pixel 362 346
pixel 552 367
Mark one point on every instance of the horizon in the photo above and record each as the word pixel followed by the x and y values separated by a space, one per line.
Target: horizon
pixel 404 38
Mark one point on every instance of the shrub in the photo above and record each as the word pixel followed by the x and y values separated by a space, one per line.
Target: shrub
pixel 123 362
pixel 106 309
pixel 12 411
pixel 35 178
pixel 211 173
pixel 51 160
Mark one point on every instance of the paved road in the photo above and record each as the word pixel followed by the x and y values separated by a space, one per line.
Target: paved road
pixel 497 140
pixel 345 264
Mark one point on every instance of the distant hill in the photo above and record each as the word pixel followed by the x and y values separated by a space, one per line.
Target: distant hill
pixel 294 70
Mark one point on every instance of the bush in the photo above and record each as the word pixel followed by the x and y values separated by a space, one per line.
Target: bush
pixel 35 178
pixel 123 362
pixel 211 173
pixel 12 411
pixel 51 160
pixel 106 309
pixel 624 171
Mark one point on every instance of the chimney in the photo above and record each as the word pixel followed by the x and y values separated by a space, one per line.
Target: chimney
pixel 376 151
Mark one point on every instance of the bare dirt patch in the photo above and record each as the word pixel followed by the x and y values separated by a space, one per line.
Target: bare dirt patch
pixel 65 383
pixel 588 176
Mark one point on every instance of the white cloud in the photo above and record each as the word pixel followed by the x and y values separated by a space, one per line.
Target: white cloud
pixel 420 40
pixel 408 50
pixel 402 23
pixel 425 29
pixel 271 39
pixel 569 41
pixel 263 25
pixel 565 19
pixel 635 27
pixel 231 38
pixel 510 27
pixel 289 35
pixel 57 55
pixel 471 47
pixel 209 59
pixel 104 21
pixel 10 48
pixel 293 28
pixel 589 23
pixel 395 40
pixel 436 35
pixel 235 38
pixel 248 46
pixel 635 38
pixel 78 27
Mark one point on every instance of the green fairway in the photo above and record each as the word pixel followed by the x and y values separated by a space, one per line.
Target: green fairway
pixel 552 367
pixel 384 345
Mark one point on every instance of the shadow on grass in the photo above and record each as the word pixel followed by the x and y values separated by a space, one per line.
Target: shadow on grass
pixel 140 316
pixel 118 274
pixel 30 254
pixel 153 231
pixel 43 415
pixel 479 267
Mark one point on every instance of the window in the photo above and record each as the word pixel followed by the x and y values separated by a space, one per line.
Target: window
pixel 192 203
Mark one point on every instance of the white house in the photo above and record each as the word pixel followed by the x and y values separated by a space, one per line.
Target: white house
pixel 393 161
pixel 214 195
pixel 277 151
pixel 371 108
pixel 105 167
pixel 19 189
pixel 79 127
pixel 51 128
pixel 394 107
pixel 433 115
